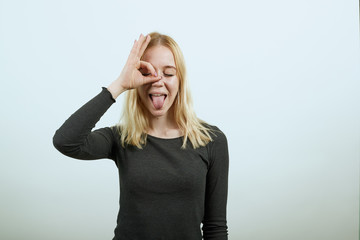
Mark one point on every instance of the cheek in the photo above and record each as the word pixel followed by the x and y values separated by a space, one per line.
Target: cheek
pixel 174 85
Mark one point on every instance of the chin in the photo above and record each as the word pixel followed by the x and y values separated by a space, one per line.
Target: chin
pixel 157 113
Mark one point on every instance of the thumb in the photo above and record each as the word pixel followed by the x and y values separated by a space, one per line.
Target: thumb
pixel 151 79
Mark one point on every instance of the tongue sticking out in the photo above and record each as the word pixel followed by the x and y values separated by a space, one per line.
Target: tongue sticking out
pixel 158 101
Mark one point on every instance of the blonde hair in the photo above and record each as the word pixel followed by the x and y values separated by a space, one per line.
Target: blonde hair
pixel 134 121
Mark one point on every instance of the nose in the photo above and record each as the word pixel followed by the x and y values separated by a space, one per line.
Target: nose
pixel 159 83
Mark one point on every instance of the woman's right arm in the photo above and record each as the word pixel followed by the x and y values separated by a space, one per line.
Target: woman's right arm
pixel 75 138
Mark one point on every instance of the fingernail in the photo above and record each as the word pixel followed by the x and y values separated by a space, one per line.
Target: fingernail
pixel 155 74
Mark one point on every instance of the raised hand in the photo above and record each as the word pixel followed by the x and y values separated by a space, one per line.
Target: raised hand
pixel 130 76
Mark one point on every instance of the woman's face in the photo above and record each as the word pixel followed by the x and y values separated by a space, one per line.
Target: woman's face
pixel 158 97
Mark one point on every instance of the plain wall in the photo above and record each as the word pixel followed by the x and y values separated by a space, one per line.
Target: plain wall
pixel 280 78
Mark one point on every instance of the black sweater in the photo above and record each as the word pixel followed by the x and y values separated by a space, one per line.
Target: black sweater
pixel 165 192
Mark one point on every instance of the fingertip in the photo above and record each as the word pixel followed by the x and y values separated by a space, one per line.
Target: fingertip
pixel 154 79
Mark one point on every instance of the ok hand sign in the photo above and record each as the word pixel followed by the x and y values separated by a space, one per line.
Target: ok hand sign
pixel 130 76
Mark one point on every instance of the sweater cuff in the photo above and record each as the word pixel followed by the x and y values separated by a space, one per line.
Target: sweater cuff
pixel 106 91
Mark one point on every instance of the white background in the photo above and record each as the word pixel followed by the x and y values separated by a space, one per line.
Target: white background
pixel 280 78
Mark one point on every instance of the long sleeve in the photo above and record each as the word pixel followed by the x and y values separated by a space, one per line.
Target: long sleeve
pixel 75 138
pixel 214 222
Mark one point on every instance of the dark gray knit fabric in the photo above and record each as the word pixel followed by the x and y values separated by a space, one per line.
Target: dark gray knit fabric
pixel 165 192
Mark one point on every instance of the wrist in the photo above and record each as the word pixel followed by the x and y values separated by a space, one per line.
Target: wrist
pixel 116 89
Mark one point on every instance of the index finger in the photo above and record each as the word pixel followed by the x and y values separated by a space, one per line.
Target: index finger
pixel 144 45
pixel 137 47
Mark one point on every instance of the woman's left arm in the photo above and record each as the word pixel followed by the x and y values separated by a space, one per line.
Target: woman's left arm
pixel 214 222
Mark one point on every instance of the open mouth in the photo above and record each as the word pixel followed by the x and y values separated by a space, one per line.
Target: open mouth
pixel 158 100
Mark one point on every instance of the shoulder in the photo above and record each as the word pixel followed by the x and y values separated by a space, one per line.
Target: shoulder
pixel 115 132
pixel 216 134
pixel 115 129
pixel 217 148
pixel 218 144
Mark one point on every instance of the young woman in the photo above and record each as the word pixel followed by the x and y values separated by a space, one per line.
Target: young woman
pixel 173 167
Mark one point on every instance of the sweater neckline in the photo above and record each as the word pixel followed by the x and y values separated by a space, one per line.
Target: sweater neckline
pixel 164 139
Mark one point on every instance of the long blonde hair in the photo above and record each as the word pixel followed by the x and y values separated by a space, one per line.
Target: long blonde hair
pixel 134 121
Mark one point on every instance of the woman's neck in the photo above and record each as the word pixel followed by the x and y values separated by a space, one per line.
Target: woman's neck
pixel 164 127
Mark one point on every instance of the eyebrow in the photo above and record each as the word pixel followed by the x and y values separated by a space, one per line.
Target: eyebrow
pixel 169 66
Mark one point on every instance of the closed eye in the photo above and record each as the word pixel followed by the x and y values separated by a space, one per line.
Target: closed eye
pixel 166 75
